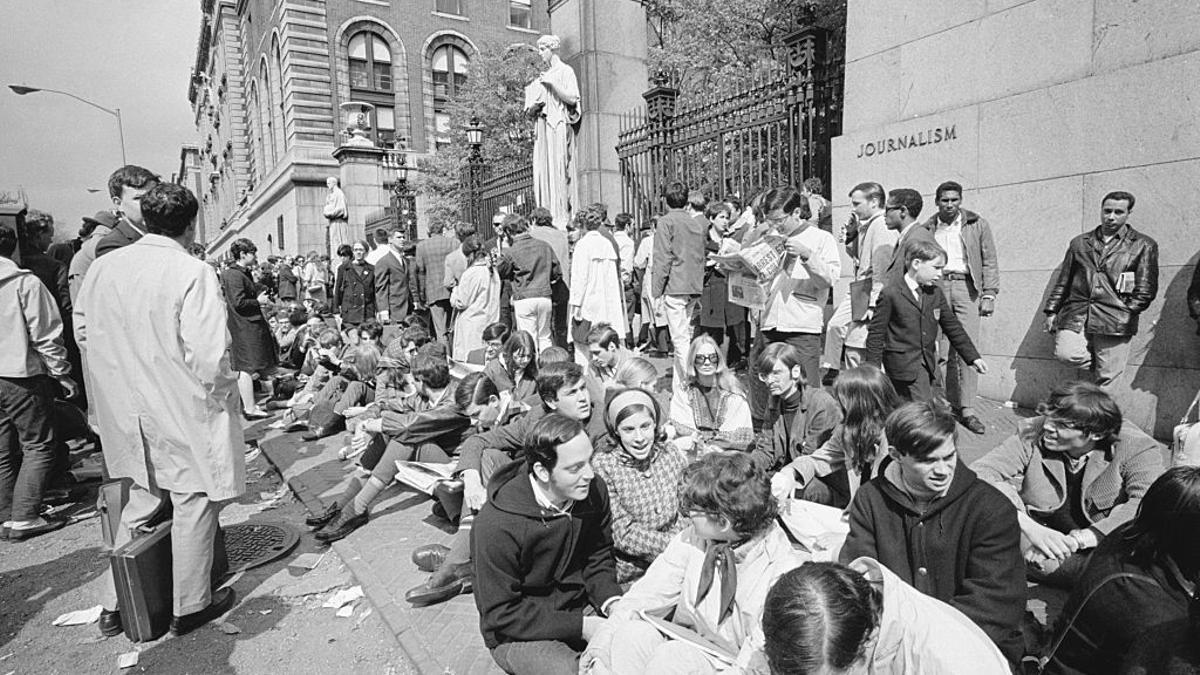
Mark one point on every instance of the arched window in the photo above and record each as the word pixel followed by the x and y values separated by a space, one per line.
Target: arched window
pixel 450 66
pixel 265 90
pixel 371 81
pixel 370 63
pixel 279 114
pixel 254 134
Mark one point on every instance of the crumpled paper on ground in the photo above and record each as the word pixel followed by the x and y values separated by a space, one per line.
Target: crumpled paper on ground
pixel 80 617
pixel 344 597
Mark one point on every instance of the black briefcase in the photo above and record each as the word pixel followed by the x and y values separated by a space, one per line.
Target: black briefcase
pixel 142 574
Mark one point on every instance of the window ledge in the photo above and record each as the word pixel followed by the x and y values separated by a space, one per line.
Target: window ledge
pixel 456 17
pixel 520 29
pixel 381 3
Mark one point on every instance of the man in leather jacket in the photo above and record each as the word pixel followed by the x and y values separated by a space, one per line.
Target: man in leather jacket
pixel 1108 277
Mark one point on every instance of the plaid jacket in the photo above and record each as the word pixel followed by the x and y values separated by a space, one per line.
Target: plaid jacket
pixel 431 268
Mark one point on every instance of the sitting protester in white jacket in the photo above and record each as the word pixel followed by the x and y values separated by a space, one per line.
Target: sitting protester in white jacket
pixel 861 618
pixel 714 576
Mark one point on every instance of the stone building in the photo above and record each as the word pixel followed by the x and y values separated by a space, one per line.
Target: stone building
pixel 271 77
pixel 1039 108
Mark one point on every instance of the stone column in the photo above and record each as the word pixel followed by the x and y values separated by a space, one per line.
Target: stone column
pixel 605 43
pixel 361 177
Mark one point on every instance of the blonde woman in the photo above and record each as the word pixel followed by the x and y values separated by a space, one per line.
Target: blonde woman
pixel 714 412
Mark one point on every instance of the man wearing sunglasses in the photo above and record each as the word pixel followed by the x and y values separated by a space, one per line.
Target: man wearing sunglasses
pixel 1075 473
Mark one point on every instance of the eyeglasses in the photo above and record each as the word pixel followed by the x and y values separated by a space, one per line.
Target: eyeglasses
pixel 707 358
pixel 1059 423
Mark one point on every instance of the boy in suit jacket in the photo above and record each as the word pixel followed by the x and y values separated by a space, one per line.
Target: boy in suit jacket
pixel 904 328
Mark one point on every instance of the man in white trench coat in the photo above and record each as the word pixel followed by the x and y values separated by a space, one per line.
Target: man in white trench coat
pixel 152 320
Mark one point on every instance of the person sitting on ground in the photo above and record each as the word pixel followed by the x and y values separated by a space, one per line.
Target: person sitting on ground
pixel 852 455
pixel 642 472
pixel 562 389
pixel 1075 473
pixel 1138 580
pixel 636 372
pixel 712 578
pixel 715 414
pixel 1173 648
pixel 605 355
pixel 903 335
pixel 427 436
pixel 552 355
pixel 410 339
pixel 494 337
pixel 940 528
pixel 543 553
pixel 861 618
pixel 325 415
pixel 515 370
pixel 805 419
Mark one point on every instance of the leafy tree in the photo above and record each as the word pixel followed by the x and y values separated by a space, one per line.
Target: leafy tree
pixel 710 47
pixel 494 95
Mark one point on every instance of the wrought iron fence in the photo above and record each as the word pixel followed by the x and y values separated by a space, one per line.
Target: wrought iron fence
pixel 508 193
pixel 775 131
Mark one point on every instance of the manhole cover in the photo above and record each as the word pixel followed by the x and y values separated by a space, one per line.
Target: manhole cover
pixel 252 544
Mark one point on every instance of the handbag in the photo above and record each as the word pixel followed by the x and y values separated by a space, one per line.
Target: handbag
pixel 1185 446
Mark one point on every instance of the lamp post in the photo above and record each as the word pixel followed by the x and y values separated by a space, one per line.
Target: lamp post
pixel 21 90
pixel 403 198
pixel 474 170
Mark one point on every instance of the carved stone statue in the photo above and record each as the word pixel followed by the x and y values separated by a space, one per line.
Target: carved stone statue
pixel 335 212
pixel 552 100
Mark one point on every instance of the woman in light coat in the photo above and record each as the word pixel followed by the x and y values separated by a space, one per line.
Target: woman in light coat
pixel 476 297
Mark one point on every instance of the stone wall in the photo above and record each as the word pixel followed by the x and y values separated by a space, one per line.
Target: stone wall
pixel 1039 108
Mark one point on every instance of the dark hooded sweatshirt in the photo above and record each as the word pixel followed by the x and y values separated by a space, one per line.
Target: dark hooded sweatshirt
pixel 964 549
pixel 536 570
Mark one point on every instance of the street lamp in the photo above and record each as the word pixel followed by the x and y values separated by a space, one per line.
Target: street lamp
pixel 474 171
pixel 404 201
pixel 21 90
pixel 474 135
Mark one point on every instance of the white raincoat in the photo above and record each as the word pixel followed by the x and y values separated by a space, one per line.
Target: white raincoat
pixel 152 322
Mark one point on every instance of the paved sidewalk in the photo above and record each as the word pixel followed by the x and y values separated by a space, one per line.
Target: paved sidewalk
pixel 445 638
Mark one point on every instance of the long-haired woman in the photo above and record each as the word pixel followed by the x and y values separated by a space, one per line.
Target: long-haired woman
pixel 515 370
pixel 716 414
pixel 1138 580
pixel 833 473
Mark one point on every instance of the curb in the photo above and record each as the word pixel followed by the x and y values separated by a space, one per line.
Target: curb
pixel 399 626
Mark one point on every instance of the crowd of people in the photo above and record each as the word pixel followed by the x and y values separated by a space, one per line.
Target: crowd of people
pixel 606 523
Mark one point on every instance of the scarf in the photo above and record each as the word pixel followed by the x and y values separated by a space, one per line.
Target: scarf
pixel 720 555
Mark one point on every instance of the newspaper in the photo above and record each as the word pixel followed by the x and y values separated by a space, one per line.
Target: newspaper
pixel 764 257
pixel 423 476
pixel 820 529
pixel 746 290
pixel 725 653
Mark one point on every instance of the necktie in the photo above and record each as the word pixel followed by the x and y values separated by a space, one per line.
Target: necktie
pixel 719 556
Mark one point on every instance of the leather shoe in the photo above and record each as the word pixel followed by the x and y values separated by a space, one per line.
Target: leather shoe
pixel 317 433
pixel 973 424
pixel 110 623
pixel 429 558
pixel 322 519
pixel 443 585
pixel 47 525
pixel 341 527
pixel 222 601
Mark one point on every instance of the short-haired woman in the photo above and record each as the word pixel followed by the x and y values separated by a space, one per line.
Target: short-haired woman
pixel 642 473
pixel 714 576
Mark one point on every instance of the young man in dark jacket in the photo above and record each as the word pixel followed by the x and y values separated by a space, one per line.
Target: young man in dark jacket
pixel 1107 279
pixel 940 528
pixel 563 389
pixel 543 553
pixel 531 266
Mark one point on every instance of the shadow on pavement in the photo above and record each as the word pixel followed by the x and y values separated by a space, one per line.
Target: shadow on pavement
pixel 23 591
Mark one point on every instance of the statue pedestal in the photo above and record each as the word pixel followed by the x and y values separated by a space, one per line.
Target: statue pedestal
pixel 361 178
pixel 605 43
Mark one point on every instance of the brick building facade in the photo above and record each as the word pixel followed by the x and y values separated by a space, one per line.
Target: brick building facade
pixel 270 76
